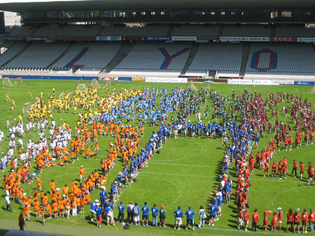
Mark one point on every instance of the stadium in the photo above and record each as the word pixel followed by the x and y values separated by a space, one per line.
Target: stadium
pixel 231 73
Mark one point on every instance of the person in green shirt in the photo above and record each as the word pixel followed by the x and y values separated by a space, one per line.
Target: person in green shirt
pixel 162 216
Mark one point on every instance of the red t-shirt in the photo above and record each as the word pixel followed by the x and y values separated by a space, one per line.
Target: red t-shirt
pixel 304 217
pixel 255 217
pixel 280 215
pixel 246 216
pixel 290 217
pixel 311 217
pixel 297 217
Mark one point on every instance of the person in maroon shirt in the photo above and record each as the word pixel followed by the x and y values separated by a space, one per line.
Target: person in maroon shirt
pixel 22 221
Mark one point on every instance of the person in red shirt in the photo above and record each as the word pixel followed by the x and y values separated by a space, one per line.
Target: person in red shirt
pixel 290 218
pixel 294 169
pixel 302 170
pixel 255 219
pixel 246 219
pixel 304 221
pixel 274 169
pixel 280 217
pixel 311 218
pixel 266 213
pixel 266 168
pixel 274 222
pixel 297 218
pixel 280 165
pixel 311 174
pixel 285 169
pixel 240 218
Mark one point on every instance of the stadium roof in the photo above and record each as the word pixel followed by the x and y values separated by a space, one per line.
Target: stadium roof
pixel 69 5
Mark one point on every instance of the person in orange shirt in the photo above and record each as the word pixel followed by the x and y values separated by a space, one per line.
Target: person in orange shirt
pixel 82 203
pixel 52 185
pixel 89 153
pixel 49 210
pixel 42 213
pixel 39 186
pixel 65 160
pixel 65 190
pixel 61 209
pixel 36 207
pixel 74 205
pixel 55 209
pixel 67 207
pixel 82 172
pixel 26 210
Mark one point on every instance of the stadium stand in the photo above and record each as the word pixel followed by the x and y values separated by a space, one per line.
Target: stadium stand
pixel 152 30
pixel 294 31
pixel 202 32
pixel 11 52
pixel 168 59
pixel 223 57
pixel 92 56
pixel 38 55
pixel 20 32
pixel 247 30
pixel 281 60
pixel 55 32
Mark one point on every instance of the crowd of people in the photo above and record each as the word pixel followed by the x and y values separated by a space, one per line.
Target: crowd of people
pixel 242 119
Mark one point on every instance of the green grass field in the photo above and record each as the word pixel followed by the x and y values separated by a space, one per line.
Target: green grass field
pixel 185 173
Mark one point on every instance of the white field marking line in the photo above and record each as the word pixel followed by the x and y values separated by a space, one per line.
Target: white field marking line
pixel 202 150
pixel 155 173
pixel 153 162
pixel 277 179
pixel 179 191
pixel 273 200
pixel 248 232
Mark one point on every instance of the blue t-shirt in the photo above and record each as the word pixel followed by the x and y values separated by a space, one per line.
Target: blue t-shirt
pixel 98 211
pixel 190 214
pixel 107 209
pixel 213 210
pixel 155 211
pixel 145 210
pixel 178 213
pixel 93 206
pixel 121 208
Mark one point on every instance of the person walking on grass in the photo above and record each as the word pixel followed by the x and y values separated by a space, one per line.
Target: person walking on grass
pixel 178 214
pixel 190 218
pixel 255 220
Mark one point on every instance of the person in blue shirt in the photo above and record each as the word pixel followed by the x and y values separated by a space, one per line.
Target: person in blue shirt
pixel 136 213
pixel 190 218
pixel 155 214
pixel 93 208
pixel 121 213
pixel 179 214
pixel 109 214
pixel 99 212
pixel 145 214
pixel 213 212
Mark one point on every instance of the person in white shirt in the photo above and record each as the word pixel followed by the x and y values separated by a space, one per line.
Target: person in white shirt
pixel 8 203
pixel 21 142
